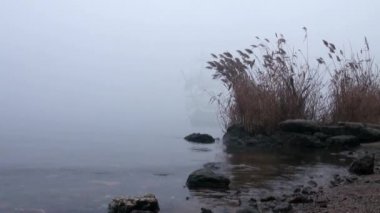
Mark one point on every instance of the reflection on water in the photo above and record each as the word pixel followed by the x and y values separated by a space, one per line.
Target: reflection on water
pixel 82 174
pixel 257 173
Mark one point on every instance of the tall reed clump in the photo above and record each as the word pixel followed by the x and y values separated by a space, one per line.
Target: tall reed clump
pixel 354 89
pixel 267 83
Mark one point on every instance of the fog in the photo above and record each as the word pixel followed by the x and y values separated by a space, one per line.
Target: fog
pixel 138 66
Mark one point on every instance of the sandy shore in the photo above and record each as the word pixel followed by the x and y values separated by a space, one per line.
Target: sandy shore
pixel 360 196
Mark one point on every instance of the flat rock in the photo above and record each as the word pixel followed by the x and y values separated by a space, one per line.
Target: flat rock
pixel 147 203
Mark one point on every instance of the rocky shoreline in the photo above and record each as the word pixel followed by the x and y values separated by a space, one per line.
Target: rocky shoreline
pixel 305 134
pixel 359 191
pixel 343 193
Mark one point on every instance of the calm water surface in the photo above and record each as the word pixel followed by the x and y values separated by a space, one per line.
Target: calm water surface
pixel 81 172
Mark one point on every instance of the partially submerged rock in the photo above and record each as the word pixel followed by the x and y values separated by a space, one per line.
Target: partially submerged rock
pixel 147 203
pixel 297 140
pixel 205 210
pixel 363 166
pixel 206 178
pixel 200 138
pixel 301 134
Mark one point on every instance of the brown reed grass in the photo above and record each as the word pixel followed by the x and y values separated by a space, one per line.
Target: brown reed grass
pixel 269 82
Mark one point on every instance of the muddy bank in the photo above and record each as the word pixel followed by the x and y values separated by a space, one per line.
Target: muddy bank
pixel 362 195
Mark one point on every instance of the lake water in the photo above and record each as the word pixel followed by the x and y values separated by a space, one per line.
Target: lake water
pixel 82 172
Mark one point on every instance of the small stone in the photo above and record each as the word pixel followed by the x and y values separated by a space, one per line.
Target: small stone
pixel 312 183
pixel 307 191
pixel 147 203
pixel 300 199
pixel 204 210
pixel 282 208
pixel 267 199
pixel 322 202
pixel 248 210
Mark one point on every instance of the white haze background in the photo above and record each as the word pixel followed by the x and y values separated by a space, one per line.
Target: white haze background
pixel 138 66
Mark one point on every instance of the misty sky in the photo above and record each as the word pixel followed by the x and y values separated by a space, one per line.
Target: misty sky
pixel 122 64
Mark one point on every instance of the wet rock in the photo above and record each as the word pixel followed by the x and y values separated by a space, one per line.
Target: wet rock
pixel 363 165
pixel 352 125
pixel 337 180
pixel 206 178
pixel 342 142
pixel 234 202
pixel 297 140
pixel 322 202
pixel 252 202
pixel 267 199
pixel 307 191
pixel 374 126
pixel 299 126
pixel 312 183
pixel 147 203
pixel 369 134
pixel 236 136
pixel 321 136
pixel 248 210
pixel 282 208
pixel 298 189
pixel 350 179
pixel 300 199
pixel 200 138
pixel 365 132
pixel 204 210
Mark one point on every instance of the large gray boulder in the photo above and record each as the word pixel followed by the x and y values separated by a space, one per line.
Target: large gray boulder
pixel 200 138
pixel 369 135
pixel 299 126
pixel 363 166
pixel 147 204
pixel 364 132
pixel 206 178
